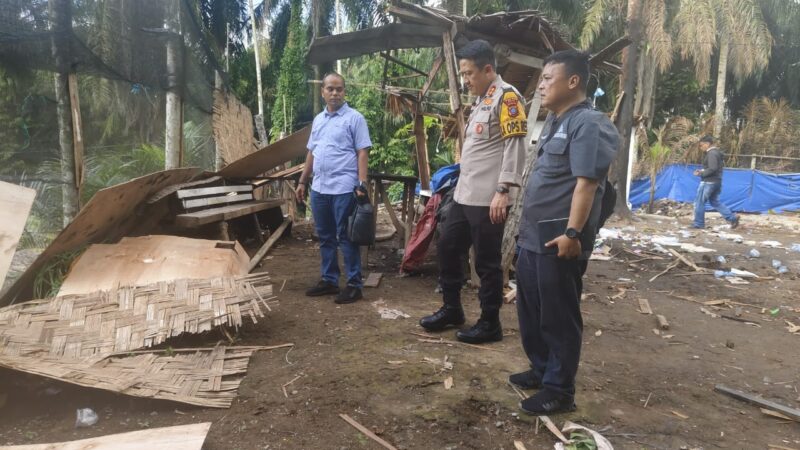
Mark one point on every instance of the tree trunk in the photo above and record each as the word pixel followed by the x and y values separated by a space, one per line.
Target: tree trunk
pixel 174 121
pixel 259 119
pixel 509 245
pixel 315 21
pixel 645 90
pixel 722 75
pixel 630 64
pixel 62 23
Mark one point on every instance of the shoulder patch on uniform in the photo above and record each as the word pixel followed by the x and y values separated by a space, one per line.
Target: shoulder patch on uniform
pixel 513 120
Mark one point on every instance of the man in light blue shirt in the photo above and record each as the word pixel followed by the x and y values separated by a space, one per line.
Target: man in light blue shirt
pixel 338 156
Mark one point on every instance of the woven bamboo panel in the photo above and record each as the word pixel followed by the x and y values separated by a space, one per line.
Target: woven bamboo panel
pixel 129 318
pixel 90 339
pixel 232 125
pixel 204 377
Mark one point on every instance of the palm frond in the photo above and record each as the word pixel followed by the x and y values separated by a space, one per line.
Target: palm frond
pixel 696 24
pixel 750 37
pixel 593 22
pixel 659 40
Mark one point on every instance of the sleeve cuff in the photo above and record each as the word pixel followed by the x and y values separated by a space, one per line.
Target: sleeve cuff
pixel 511 178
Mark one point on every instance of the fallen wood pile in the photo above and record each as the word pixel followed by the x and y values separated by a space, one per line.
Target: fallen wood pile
pixel 181 437
pixel 86 339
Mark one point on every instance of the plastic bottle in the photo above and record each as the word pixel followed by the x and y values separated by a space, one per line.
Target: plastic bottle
pixel 754 253
pixel 85 417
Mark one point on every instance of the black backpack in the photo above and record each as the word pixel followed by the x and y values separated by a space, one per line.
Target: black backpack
pixel 608 203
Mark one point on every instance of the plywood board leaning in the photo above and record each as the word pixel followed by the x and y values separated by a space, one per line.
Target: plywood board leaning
pixel 15 205
pixel 269 157
pixel 181 437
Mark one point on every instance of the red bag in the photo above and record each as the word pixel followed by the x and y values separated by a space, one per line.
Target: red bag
pixel 417 245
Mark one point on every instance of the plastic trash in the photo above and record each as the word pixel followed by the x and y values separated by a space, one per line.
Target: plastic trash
pixel 776 264
pixel 722 274
pixel 721 259
pixel 796 247
pixel 86 417
pixel 753 253
pixel 783 269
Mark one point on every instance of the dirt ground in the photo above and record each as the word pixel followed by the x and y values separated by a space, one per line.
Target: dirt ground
pixel 638 388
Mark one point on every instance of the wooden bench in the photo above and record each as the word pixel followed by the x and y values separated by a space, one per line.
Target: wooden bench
pixel 208 205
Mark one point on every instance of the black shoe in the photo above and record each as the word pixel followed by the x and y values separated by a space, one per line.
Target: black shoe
pixel 350 294
pixel 735 223
pixel 446 316
pixel 546 402
pixel 526 380
pixel 323 288
pixel 483 331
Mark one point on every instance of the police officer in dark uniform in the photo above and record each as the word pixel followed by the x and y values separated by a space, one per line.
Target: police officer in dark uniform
pixel 561 211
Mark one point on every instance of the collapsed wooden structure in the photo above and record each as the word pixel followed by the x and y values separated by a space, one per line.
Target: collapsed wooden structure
pixel 521 41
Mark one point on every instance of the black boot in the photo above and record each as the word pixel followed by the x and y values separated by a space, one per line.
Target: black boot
pixel 486 330
pixel 447 315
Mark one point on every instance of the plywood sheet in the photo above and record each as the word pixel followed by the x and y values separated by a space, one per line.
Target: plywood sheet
pixel 150 259
pixel 15 205
pixel 108 216
pixel 269 157
pixel 181 437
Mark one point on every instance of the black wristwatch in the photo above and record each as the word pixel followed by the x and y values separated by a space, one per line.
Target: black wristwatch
pixel 572 233
pixel 502 189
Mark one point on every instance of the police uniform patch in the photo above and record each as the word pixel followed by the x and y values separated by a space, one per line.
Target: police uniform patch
pixel 513 120
pixel 479 128
pixel 488 101
pixel 491 91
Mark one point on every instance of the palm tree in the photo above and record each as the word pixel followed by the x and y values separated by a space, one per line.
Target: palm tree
pixel 736 30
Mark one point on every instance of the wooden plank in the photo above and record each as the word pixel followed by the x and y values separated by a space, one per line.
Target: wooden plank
pixel 644 306
pixel 181 437
pixel 193 220
pixel 15 205
pixel 390 58
pixel 111 213
pixel 758 401
pixel 262 252
pixel 373 279
pixel 685 260
pixel 421 141
pixel 216 190
pixel 399 226
pixel 366 432
pixel 418 15
pixel 269 157
pixel 77 131
pixel 394 36
pixel 455 97
pixel 437 64
pixel 211 201
pixel 166 192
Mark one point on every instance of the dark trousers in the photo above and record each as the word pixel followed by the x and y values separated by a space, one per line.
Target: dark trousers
pixel 465 226
pixel 550 323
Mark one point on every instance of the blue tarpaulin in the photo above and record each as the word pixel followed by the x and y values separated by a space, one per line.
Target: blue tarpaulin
pixel 743 190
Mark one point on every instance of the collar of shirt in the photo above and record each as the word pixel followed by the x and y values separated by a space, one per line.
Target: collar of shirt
pixel 338 112
pixel 496 84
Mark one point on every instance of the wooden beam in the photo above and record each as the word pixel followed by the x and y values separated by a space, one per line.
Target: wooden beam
pixel 262 252
pixel 402 64
pixel 419 16
pixel 399 226
pixel 217 190
pixel 388 37
pixel 422 152
pixel 758 401
pixel 219 200
pixel 437 64
pixel 448 51
pixel 610 50
pixel 196 219
pixel 77 133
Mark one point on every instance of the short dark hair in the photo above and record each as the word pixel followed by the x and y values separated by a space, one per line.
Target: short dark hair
pixel 478 51
pixel 333 74
pixel 708 139
pixel 575 63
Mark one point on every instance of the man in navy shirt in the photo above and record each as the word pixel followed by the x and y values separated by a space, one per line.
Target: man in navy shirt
pixel 560 215
pixel 338 156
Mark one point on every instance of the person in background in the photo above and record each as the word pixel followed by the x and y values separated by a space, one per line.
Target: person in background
pixel 560 216
pixel 711 185
pixel 338 152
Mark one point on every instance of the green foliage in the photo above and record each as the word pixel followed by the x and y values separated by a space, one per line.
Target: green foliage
pixel 50 277
pixel 291 98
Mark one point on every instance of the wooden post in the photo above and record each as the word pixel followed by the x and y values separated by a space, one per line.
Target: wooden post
pixel 422 151
pixel 77 134
pixel 448 52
